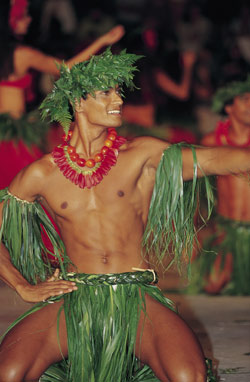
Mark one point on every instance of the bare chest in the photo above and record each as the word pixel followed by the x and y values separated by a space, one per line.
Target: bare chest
pixel 126 187
pixel 233 197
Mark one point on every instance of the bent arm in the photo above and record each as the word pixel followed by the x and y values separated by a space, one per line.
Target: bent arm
pixel 179 90
pixel 8 273
pixel 18 240
pixel 216 161
pixel 31 293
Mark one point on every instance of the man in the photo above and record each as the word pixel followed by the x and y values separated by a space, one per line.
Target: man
pixel 227 268
pixel 99 193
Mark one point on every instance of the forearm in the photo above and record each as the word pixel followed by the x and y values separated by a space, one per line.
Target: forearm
pixel 216 161
pixel 31 293
pixel 185 84
pixel 86 53
pixel 180 90
pixel 8 273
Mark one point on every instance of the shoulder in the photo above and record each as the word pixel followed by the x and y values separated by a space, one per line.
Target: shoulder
pixel 209 140
pixel 24 50
pixel 149 144
pixel 148 149
pixel 31 181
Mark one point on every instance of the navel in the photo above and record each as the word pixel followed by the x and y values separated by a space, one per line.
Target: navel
pixel 104 259
pixel 64 205
pixel 120 193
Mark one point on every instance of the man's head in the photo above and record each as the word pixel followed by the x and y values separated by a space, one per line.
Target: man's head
pixel 102 109
pixel 239 109
pixel 228 95
pixel 100 73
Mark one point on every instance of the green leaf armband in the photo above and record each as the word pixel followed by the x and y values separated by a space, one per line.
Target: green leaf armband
pixel 21 232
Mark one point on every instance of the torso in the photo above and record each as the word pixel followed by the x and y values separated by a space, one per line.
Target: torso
pixel 12 89
pixel 102 227
pixel 12 101
pixel 233 192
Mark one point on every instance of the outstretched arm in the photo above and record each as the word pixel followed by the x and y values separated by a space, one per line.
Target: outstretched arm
pixel 27 58
pixel 216 161
pixel 179 90
pixel 109 38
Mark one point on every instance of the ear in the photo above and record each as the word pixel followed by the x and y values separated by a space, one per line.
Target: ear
pixel 79 105
pixel 228 108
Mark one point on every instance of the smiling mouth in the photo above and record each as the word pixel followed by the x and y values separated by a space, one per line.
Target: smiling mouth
pixel 118 112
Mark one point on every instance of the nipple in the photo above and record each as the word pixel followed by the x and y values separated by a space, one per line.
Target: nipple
pixel 64 205
pixel 120 193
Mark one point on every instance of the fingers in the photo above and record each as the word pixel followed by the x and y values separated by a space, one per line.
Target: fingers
pixel 58 287
pixel 43 291
pixel 55 275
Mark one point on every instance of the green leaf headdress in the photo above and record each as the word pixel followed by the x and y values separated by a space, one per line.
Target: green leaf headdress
pixel 228 92
pixel 100 72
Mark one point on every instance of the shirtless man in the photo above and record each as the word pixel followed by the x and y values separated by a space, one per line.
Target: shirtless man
pixel 232 236
pixel 101 220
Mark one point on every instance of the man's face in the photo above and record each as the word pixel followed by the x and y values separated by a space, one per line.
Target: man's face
pixel 105 108
pixel 240 109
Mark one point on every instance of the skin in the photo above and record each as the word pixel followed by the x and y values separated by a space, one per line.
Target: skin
pixel 233 192
pixel 179 90
pixel 102 230
pixel 12 100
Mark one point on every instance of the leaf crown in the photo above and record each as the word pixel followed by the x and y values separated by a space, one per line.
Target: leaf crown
pixel 100 72
pixel 228 92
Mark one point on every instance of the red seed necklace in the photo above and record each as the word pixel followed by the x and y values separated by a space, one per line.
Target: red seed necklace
pixel 71 165
pixel 222 130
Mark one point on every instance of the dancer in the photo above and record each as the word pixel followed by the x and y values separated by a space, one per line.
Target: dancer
pixel 22 134
pixel 107 313
pixel 225 267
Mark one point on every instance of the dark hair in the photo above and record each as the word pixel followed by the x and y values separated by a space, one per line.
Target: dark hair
pixel 7 41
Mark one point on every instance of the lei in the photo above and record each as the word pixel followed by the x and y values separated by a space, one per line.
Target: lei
pixel 222 131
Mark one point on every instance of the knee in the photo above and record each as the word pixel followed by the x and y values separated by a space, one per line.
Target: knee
pixel 191 373
pixel 10 372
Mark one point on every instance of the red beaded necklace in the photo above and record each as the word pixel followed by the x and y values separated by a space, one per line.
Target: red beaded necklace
pixel 71 165
pixel 223 131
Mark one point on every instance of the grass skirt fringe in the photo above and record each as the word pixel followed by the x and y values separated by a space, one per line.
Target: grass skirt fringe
pixel 170 230
pixel 231 237
pixel 29 128
pixel 102 318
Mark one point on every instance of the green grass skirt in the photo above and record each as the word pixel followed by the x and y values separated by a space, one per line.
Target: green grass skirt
pixel 29 128
pixel 230 237
pixel 102 319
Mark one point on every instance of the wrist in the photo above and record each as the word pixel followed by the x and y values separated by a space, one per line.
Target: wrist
pixel 20 287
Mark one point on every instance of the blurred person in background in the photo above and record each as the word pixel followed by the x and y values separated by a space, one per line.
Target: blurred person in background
pixel 225 265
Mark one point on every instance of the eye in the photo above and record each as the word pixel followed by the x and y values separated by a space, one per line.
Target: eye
pixel 106 92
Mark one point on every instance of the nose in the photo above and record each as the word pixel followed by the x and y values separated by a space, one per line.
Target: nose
pixel 117 97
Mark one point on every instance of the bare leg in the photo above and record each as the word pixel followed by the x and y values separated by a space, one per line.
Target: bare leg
pixel 32 346
pixel 169 346
pixel 218 277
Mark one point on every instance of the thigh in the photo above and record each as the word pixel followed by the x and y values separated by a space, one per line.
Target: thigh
pixel 35 343
pixel 167 344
